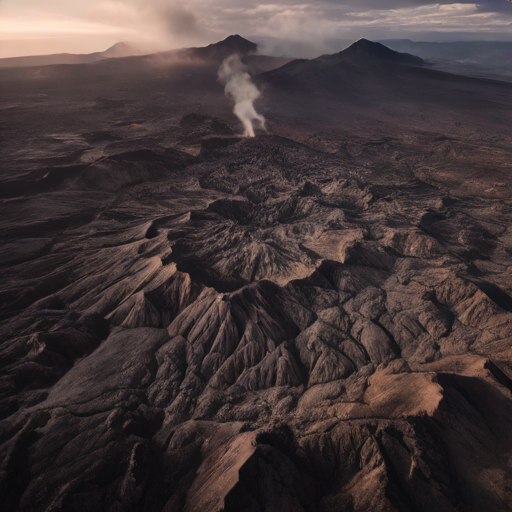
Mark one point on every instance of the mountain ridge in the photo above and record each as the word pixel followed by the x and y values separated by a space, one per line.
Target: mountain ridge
pixel 222 49
pixel 366 71
pixel 365 49
pixel 118 50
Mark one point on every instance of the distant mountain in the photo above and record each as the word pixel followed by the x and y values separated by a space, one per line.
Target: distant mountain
pixel 366 73
pixel 213 53
pixel 368 50
pixel 235 44
pixel 457 50
pixel 491 59
pixel 219 51
pixel 118 50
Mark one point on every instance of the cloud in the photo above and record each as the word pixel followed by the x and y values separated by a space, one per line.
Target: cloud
pixel 34 27
pixel 323 19
pixel 174 23
pixel 182 22
pixel 169 22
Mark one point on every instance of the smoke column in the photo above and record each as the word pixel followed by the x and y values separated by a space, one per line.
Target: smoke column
pixel 238 85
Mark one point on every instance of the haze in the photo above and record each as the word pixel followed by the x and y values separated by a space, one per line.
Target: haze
pixel 29 27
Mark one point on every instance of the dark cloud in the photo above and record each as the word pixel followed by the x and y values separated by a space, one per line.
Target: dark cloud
pixel 504 6
pixel 359 5
pixel 181 22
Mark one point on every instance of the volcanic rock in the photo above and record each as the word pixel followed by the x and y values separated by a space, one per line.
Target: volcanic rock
pixel 318 318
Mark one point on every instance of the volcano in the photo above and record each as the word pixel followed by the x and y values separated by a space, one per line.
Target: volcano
pixel 234 44
pixel 364 50
pixel 371 74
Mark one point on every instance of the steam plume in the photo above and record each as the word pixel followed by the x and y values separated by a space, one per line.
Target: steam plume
pixel 239 86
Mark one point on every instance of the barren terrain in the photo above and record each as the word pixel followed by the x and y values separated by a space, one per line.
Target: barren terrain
pixel 315 319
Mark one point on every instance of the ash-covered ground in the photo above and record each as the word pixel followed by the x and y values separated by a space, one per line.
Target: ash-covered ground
pixel 315 319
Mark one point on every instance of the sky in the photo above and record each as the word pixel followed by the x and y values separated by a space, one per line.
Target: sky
pixel 36 27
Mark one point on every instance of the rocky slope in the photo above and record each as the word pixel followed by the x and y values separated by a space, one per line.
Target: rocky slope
pixel 194 321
